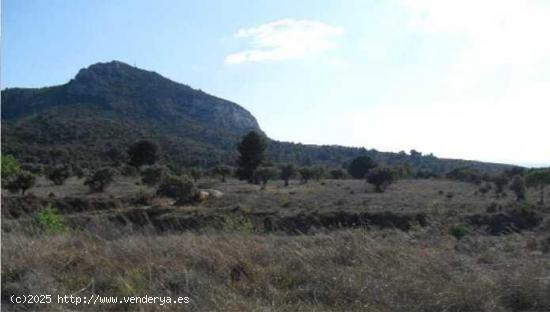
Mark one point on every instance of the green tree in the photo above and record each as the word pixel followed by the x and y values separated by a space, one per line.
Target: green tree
pixel 518 187
pixel 100 179
pixel 153 175
pixel 182 189
pixel 381 178
pixel 318 172
pixel 500 182
pixel 264 174
pixel 337 174
pixel 22 182
pixel 144 152
pixel 287 173
pixel 58 175
pixel 306 173
pixel 222 171
pixel 538 179
pixel 10 168
pixel 196 174
pixel 360 166
pixel 114 155
pixel 251 155
pixel 56 155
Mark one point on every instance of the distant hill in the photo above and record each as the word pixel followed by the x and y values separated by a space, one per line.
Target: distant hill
pixel 110 105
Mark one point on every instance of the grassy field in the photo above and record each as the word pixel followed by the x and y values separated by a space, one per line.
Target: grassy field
pixel 330 245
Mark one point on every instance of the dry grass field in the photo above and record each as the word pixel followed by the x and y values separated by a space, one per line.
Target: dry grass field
pixel 330 245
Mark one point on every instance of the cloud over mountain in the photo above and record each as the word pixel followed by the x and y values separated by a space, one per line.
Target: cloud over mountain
pixel 285 39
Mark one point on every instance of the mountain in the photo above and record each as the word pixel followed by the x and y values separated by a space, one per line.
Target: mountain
pixel 110 105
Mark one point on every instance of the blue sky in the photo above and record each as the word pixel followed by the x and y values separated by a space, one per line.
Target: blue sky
pixel 460 79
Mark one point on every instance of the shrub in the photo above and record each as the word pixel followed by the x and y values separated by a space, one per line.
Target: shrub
pixel 238 224
pixel 78 171
pixel 222 171
pixel 337 174
pixel 115 155
pixel 466 174
pixel 265 174
pixel 360 166
pixel 143 197
pixel 425 174
pixel 287 172
pixel 58 175
pixel 49 221
pixel 10 168
pixel 196 174
pixel 306 173
pixel 152 175
pixel 182 189
pixel 518 187
pixel 381 178
pixel 22 182
pixel 129 171
pixel 318 172
pixel 538 179
pixel 33 168
pixel 458 231
pixel 143 152
pixel 100 179
pixel 500 182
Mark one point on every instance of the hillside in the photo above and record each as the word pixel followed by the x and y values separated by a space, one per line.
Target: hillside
pixel 110 105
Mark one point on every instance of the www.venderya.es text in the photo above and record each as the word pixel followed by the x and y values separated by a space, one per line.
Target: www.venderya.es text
pixel 96 299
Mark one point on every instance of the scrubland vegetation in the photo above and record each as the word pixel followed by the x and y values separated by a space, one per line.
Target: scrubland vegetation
pixel 364 236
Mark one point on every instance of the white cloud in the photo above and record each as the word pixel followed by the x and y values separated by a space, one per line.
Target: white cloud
pixel 285 39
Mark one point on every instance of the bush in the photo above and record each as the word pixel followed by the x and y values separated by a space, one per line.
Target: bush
pixel 49 221
pixel 22 182
pixel 306 173
pixel 33 168
pixel 381 178
pixel 287 172
pixel 129 171
pixel 458 231
pixel 142 197
pixel 79 171
pixel 466 174
pixel 58 175
pixel 337 174
pixel 222 171
pixel 318 172
pixel 538 178
pixel 100 179
pixel 196 174
pixel 10 168
pixel 518 187
pixel 264 174
pixel 182 189
pixel 500 182
pixel 425 174
pixel 360 166
pixel 152 175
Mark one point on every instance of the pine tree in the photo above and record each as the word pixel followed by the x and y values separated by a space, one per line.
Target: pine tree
pixel 251 155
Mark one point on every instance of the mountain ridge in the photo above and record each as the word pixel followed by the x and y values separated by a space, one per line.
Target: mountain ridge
pixel 112 103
